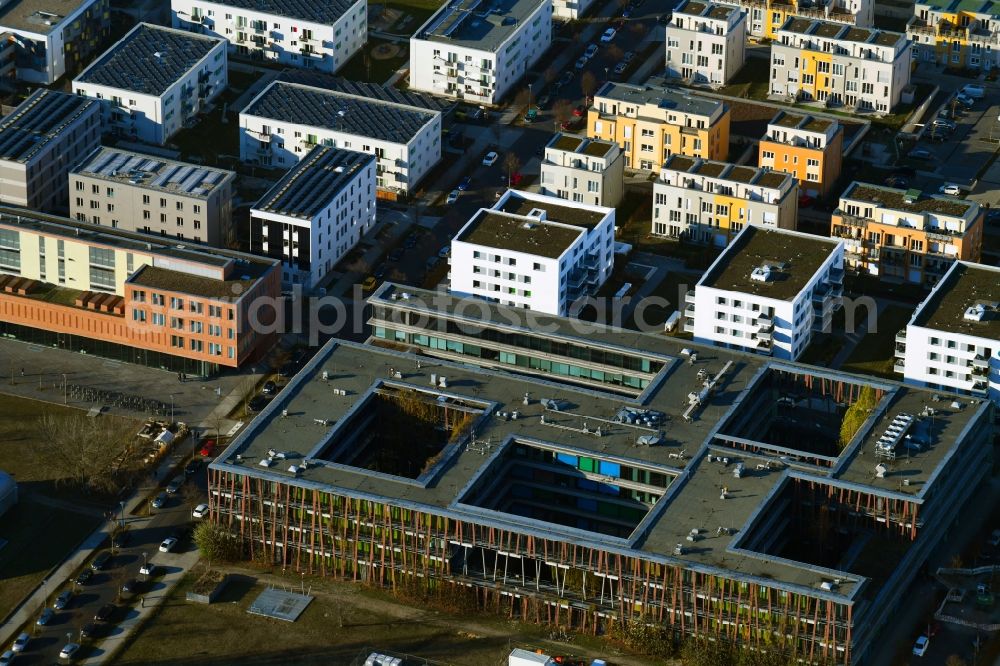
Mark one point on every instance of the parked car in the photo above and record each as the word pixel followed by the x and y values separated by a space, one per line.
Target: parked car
pixel 629 56
pixel 207 447
pixel 69 650
pixel 148 569
pixel 620 68
pixel 101 561
pixel 21 642
pixel 939 136
pixel 948 188
pixel 192 466
pixel 490 159
pixel 466 182
pixel 805 201
pixel 45 617
pixel 973 90
pixel 544 101
pixel 7 658
pixel 445 252
pixel 945 123
pixel 896 181
pixel 200 511
pixel 62 601
pixel 581 62
pixel 965 100
pixel 531 116
pixel 608 35
pixel 90 630
pixel 175 485
pixel 452 197
pixel 258 403
pixel 664 19
pixel 580 111
pixel 168 544
pixel 131 586
pixel 571 125
pixel 104 612
pixel 84 577
pixel 369 284
pixel 920 646
pixel 566 78
pixel 159 501
pixel 920 154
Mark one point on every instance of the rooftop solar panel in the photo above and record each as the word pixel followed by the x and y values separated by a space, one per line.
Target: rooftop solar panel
pixel 28 129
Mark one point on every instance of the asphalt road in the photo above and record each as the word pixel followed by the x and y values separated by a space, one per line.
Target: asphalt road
pixel 104 587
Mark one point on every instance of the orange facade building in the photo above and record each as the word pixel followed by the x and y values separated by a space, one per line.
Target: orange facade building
pixel 809 148
pixel 905 235
pixel 133 297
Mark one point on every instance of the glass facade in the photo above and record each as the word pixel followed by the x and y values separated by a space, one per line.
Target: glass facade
pixel 110 350
pixel 615 376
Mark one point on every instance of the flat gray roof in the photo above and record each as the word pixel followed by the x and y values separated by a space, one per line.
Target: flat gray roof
pixel 341 112
pixel 153 172
pixel 965 286
pixel 692 499
pixel 795 258
pixel 518 234
pixel 149 59
pixel 660 95
pixel 39 120
pixel 478 24
pixel 38 16
pixel 315 79
pixel 326 12
pixel 310 185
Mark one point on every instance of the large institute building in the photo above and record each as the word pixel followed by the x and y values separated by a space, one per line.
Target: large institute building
pixel 577 476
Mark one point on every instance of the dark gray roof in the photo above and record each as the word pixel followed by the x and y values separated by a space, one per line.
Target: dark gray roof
pixel 362 116
pixel 149 59
pixel 325 11
pixel 393 94
pixel 153 172
pixel 314 181
pixel 478 24
pixel 38 120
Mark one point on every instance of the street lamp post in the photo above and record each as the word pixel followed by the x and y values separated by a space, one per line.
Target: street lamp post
pixel 529 97
pixel 65 399
pixel 122 505
pixel 171 407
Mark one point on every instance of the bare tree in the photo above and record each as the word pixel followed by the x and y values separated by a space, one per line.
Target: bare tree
pixel 588 84
pixel 615 52
pixel 561 111
pixel 550 75
pixel 522 99
pixel 92 453
pixel 512 163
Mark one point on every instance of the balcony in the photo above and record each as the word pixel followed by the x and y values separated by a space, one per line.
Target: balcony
pixel 900 351
pixel 688 325
pixel 899 366
pixel 689 297
pixel 980 387
pixel 764 346
pixel 764 323
pixel 901 337
pixel 850 220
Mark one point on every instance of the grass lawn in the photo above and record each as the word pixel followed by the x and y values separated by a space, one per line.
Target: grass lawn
pixel 214 135
pixel 364 67
pixel 751 81
pixel 340 624
pixel 874 353
pixel 38 535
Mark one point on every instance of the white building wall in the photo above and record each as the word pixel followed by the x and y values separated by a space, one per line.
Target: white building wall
pixel 282 41
pixel 583 184
pixel 944 359
pixel 284 144
pixel 569 10
pixel 55 43
pixel 704 50
pixel 445 69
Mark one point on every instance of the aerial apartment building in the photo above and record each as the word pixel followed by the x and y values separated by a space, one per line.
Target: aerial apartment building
pixel 534 251
pixel 51 38
pixel 769 292
pixel 808 147
pixel 40 141
pixel 286 120
pixel 952 342
pixel 860 69
pixel 706 42
pixel 477 51
pixel 609 475
pixel 653 121
pixel 314 215
pixel 956 33
pixel 765 17
pixel 8 64
pixel 133 297
pixel 295 33
pixel 154 80
pixel 583 170
pixel 906 235
pixel 148 193
pixel 710 202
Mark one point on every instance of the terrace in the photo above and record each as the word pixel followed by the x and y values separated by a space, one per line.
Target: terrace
pixel 907 200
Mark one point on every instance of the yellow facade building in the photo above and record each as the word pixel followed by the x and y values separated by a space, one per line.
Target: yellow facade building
pixel 809 148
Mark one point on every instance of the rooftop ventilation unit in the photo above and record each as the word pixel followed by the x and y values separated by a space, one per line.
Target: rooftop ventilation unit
pixel 976 313
pixel 887 443
pixel 911 196
pixel 538 213
pixel 762 274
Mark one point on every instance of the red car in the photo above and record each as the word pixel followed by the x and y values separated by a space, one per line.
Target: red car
pixel 579 111
pixel 208 447
pixel 805 201
pixel 515 178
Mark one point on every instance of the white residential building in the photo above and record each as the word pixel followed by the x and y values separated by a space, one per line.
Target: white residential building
pixel 862 69
pixel 296 33
pixel 534 251
pixel 706 42
pixel 315 214
pixel 40 141
pixel 768 292
pixel 710 202
pixel 154 80
pixel 286 120
pixel 583 170
pixel 952 342
pixel 53 37
pixel 570 10
pixel 477 50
